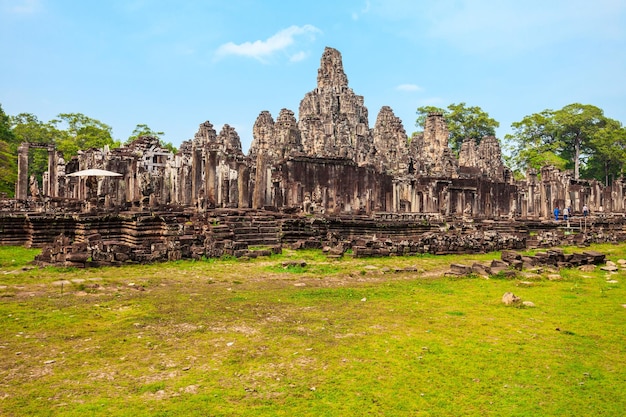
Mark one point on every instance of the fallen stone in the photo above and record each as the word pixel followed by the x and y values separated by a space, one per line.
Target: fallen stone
pixel 299 263
pixel 509 256
pixel 528 304
pixel 596 257
pixel 509 298
pixel 587 268
pixel 609 268
pixel 459 269
pixel 480 269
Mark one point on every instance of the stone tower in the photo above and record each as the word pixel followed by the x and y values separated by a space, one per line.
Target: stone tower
pixel 332 119
pixel 430 151
pixel 390 143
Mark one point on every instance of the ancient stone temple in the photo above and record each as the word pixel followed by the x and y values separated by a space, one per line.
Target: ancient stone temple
pixel 326 163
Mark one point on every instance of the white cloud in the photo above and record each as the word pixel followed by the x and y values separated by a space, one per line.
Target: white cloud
pixel 262 49
pixel 408 87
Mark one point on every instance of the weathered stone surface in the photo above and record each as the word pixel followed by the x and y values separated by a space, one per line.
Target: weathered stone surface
pixel 510 299
pixel 390 143
pixel 333 120
pixel 459 269
pixel 430 151
pixel 490 159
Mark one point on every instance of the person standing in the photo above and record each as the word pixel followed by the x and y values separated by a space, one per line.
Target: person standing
pixel 565 213
pixel 556 213
pixel 585 210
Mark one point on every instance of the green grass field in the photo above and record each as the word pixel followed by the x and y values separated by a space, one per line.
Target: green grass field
pixel 351 337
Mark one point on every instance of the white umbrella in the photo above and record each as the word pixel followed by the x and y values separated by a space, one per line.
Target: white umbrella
pixel 94 173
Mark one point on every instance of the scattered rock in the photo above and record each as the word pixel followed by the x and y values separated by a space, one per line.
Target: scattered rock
pixel 460 270
pixel 301 263
pixel 554 277
pixel 509 298
pixel 587 268
pixel 480 269
pixel 609 268
pixel 528 304
pixel 190 389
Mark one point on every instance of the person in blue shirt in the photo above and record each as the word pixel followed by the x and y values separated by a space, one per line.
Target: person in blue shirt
pixel 556 213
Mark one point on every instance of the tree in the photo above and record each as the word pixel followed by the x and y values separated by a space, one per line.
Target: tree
pixel 82 133
pixel 534 143
pixel 463 122
pixel 577 124
pixel 559 137
pixel 608 157
pixel 8 160
pixel 145 130
pixel 26 127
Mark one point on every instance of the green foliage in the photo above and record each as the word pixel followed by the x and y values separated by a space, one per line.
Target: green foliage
pixel 463 122
pixel 8 162
pixel 27 127
pixel 567 138
pixel 82 133
pixel 6 135
pixel 145 130
pixel 608 153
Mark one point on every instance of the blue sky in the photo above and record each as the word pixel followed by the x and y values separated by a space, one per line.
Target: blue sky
pixel 174 64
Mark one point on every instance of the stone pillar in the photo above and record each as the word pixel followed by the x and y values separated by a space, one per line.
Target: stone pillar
pixel 21 189
pixel 196 173
pixel 210 176
pixel 53 177
pixel 258 199
pixel 243 180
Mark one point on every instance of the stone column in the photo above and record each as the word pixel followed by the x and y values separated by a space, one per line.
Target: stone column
pixel 243 180
pixel 258 199
pixel 210 178
pixel 53 177
pixel 21 189
pixel 196 173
